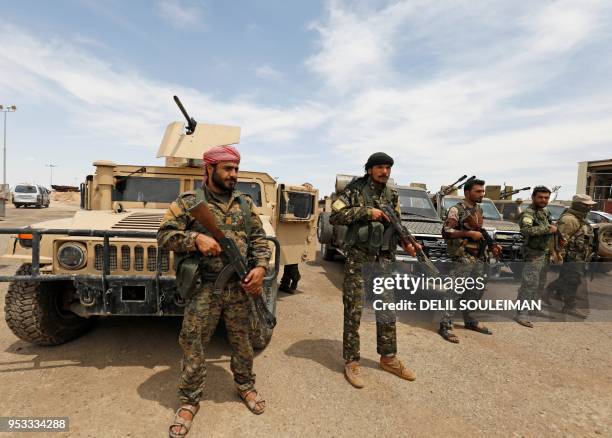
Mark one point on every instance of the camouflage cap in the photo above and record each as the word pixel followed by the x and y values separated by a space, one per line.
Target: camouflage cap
pixel 583 199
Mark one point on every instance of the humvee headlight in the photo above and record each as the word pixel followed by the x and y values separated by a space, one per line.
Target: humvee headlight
pixel 72 255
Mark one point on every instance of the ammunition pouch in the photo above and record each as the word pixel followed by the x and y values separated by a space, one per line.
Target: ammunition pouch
pixel 188 277
pixel 367 236
pixel 538 243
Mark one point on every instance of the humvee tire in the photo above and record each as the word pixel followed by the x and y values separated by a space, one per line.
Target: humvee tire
pixel 325 230
pixel 261 335
pixel 32 313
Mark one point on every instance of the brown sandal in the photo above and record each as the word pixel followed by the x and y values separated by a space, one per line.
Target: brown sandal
pixel 448 335
pixel 184 424
pixel 256 405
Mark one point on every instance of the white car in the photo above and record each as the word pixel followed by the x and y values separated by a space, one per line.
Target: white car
pixel 599 217
pixel 30 194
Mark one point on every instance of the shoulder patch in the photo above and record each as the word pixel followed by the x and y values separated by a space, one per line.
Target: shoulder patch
pixel 338 205
pixel 527 220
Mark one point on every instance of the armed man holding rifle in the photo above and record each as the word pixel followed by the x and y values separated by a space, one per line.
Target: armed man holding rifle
pixel 466 244
pixel 181 231
pixel 360 207
pixel 538 229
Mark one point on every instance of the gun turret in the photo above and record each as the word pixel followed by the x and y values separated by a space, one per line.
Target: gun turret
pixel 509 193
pixel 191 123
pixel 447 190
pixel 473 177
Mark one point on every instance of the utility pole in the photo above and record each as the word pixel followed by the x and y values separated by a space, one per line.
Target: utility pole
pixel 51 166
pixel 4 195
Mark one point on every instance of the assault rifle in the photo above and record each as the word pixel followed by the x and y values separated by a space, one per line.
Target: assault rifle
pixel 237 264
pixel 407 238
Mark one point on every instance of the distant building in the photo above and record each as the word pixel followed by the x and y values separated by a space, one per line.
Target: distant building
pixel 595 179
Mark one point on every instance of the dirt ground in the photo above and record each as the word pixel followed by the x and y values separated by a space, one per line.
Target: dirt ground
pixel 120 379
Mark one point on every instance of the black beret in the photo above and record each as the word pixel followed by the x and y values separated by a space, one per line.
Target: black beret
pixel 379 159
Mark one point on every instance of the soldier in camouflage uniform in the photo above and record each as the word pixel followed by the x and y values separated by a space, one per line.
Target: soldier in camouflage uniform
pixel 536 226
pixel 464 240
pixel 358 207
pixel 181 233
pixel 577 241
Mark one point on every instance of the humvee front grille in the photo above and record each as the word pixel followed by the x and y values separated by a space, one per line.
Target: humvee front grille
pixel 99 257
pixel 133 257
pixel 151 258
pixel 125 257
pixel 139 258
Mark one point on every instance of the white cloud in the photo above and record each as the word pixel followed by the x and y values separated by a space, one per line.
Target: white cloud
pixel 180 13
pixel 267 72
pixel 447 87
pixel 124 106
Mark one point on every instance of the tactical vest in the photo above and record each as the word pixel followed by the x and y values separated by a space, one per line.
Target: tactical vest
pixel 542 242
pixel 456 247
pixel 579 245
pixel 371 236
pixel 189 275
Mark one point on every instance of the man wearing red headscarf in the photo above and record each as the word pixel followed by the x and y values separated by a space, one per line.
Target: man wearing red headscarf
pixel 181 233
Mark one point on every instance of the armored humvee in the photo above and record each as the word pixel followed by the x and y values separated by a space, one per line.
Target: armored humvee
pixel 418 215
pixel 105 260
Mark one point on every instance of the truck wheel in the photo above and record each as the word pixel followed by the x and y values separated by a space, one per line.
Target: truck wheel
pixel 261 335
pixel 325 230
pixel 34 314
pixel 604 248
pixel 328 253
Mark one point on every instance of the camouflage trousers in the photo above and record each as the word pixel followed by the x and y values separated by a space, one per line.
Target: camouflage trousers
pixel 466 266
pixel 202 315
pixel 571 276
pixel 534 277
pixel 353 299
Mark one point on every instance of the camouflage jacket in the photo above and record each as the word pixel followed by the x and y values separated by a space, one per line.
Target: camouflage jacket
pixel 535 226
pixel 354 208
pixel 578 235
pixel 352 205
pixel 178 229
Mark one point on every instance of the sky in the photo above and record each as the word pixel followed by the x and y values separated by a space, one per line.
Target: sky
pixel 513 92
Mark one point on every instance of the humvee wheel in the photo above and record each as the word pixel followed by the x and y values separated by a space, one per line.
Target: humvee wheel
pixel 325 230
pixel 34 314
pixel 261 335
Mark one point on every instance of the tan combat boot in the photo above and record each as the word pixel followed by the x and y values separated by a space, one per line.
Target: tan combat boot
pixel 352 372
pixel 395 366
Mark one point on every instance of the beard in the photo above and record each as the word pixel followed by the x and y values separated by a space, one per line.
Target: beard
pixel 226 185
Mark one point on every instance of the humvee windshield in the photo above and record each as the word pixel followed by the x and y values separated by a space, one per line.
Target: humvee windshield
pixel 138 189
pixel 417 203
pixel 248 188
pixel 489 210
